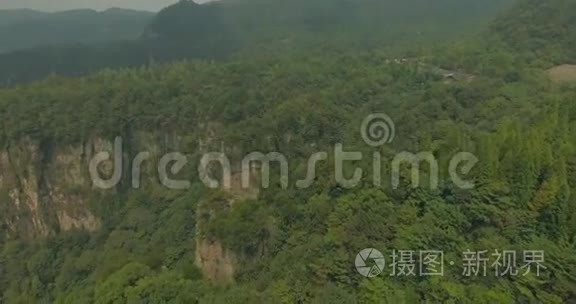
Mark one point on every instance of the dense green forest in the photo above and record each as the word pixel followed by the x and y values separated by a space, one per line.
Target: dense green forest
pixel 38 29
pixel 221 29
pixel 542 29
pixel 299 245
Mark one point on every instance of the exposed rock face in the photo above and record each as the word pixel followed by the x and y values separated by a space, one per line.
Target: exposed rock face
pixel 42 188
pixel 216 262
pixel 46 188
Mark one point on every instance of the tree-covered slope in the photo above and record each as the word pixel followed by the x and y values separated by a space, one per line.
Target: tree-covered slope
pixel 543 30
pixel 293 245
pixel 290 245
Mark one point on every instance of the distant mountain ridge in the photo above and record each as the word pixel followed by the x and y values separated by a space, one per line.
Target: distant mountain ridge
pixel 21 29
pixel 8 17
pixel 216 30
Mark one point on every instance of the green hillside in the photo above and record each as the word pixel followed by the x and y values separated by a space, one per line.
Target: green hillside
pixel 297 244
pixel 296 82
pixel 543 30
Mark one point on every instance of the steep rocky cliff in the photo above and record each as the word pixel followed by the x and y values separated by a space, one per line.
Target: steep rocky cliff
pixel 46 188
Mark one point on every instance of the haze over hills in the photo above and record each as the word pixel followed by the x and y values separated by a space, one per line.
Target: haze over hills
pixel 21 29
pixel 8 17
pixel 187 30
pixel 100 5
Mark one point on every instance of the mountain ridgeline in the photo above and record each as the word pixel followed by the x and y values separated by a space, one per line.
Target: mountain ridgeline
pixel 36 29
pixel 225 28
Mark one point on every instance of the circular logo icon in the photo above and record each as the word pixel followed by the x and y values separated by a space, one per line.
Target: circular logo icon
pixel 378 129
pixel 370 262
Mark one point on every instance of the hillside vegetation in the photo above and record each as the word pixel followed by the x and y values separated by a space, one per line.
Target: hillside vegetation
pixel 155 245
pixel 145 249
pixel 544 30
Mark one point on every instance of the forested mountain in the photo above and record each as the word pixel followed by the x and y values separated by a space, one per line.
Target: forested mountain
pixel 216 30
pixel 21 29
pixel 296 88
pixel 282 245
pixel 542 29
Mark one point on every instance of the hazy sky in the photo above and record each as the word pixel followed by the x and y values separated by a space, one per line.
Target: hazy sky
pixel 58 5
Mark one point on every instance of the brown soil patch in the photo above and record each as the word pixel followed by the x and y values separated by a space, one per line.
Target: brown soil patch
pixel 563 73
